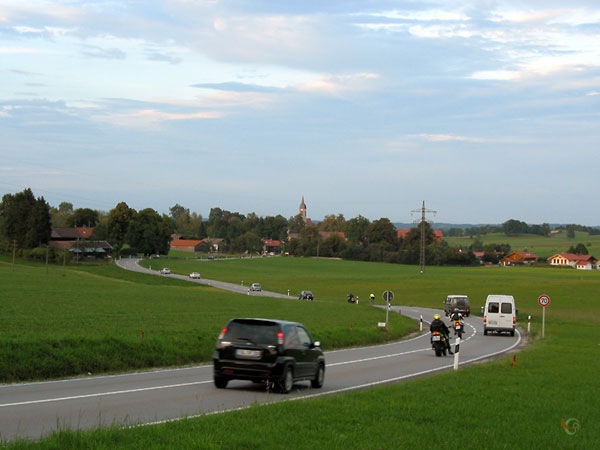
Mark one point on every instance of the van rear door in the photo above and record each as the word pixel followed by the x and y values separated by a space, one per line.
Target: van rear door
pixel 505 320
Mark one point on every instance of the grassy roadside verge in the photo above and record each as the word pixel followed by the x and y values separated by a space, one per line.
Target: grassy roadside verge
pixel 104 319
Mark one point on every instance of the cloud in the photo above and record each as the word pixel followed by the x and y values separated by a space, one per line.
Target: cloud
pixel 169 57
pixel 449 137
pixel 336 84
pixel 145 118
pixel 235 87
pixel 93 51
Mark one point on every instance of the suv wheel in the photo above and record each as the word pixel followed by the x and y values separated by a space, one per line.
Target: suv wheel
pixel 221 383
pixel 319 377
pixel 287 380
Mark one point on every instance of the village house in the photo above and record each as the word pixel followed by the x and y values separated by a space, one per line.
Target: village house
pixel 187 245
pixel 572 260
pixel 78 241
pixel 518 258
pixel 437 234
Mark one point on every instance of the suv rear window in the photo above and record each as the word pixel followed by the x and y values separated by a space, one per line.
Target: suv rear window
pixel 506 308
pixel 255 331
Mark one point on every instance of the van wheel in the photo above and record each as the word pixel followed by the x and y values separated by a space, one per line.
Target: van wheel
pixel 317 382
pixel 287 380
pixel 485 331
pixel 512 333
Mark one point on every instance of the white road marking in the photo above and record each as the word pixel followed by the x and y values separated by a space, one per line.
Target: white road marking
pixel 101 394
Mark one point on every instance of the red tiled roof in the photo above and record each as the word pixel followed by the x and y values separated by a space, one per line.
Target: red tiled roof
pixel 401 233
pixel 85 232
pixel 328 234
pixel 271 242
pixel 186 243
pixel 573 257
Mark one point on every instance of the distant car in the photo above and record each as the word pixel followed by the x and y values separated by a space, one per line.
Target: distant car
pixel 306 295
pixel 275 352
pixel 165 271
pixel 256 287
pixel 194 275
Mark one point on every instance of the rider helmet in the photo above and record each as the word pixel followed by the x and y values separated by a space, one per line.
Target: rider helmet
pixel 436 317
pixel 456 309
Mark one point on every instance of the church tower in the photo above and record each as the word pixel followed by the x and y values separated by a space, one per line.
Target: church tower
pixel 303 209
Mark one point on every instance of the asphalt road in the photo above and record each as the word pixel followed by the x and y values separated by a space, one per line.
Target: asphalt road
pixel 34 409
pixel 132 264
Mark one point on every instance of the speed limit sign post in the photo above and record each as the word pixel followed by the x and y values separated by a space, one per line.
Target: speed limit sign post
pixel 544 301
pixel 388 296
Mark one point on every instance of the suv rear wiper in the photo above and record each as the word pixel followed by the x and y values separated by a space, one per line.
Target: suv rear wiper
pixel 246 339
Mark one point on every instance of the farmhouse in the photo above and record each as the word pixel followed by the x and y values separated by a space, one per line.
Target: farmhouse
pixel 77 241
pixel 518 258
pixel 271 245
pixel 437 234
pixel 571 259
pixel 186 245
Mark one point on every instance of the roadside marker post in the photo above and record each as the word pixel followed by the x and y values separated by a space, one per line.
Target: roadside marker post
pixel 456 352
pixel 421 323
pixel 544 301
pixel 529 324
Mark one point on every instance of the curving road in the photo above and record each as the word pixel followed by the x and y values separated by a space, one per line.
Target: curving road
pixel 34 409
pixel 133 264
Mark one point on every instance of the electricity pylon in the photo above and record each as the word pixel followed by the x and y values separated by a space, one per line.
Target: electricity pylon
pixel 423 211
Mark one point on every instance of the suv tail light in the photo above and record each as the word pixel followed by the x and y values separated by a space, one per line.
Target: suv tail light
pixel 223 332
pixel 280 337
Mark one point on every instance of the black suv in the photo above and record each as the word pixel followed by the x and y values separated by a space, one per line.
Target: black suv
pixel 264 350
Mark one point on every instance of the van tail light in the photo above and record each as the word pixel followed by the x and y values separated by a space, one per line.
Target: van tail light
pixel 280 337
pixel 484 320
pixel 223 332
pixel 514 320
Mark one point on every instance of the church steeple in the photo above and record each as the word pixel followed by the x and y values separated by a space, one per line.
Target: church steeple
pixel 302 209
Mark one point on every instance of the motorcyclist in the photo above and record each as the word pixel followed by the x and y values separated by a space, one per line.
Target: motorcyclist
pixel 456 316
pixel 438 325
pixel 372 297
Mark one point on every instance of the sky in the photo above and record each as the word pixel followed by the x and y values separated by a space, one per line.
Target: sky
pixel 485 110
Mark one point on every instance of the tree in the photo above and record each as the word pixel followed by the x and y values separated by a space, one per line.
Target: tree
pixel 382 231
pixel 356 228
pixel 59 215
pixel 119 220
pixel 248 241
pixel 514 227
pixel 333 223
pixel 296 223
pixel 25 219
pixel 570 231
pixel 149 233
pixel 83 217
pixel 579 249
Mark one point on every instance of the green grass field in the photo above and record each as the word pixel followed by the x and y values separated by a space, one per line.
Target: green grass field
pixel 104 319
pixel 540 245
pixel 491 405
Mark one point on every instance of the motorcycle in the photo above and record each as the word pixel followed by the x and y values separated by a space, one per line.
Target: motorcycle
pixel 459 328
pixel 438 343
pixel 352 299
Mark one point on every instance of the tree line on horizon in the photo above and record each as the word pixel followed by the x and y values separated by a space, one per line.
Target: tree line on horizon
pixel 26 223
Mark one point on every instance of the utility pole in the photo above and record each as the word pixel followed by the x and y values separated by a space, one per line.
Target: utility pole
pixel 423 211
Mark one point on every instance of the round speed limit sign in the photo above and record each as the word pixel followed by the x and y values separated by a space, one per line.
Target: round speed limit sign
pixel 544 300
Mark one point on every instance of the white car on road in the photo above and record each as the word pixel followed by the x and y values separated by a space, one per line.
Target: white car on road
pixel 165 271
pixel 195 275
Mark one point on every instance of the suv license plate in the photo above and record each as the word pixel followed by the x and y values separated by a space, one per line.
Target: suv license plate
pixel 248 354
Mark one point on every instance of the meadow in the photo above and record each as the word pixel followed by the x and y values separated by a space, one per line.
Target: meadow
pixel 99 319
pixel 542 246
pixel 534 404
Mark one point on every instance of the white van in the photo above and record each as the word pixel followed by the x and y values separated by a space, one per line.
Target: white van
pixel 500 314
